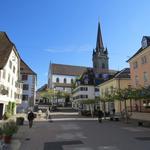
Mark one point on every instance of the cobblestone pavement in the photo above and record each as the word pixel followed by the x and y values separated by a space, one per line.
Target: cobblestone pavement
pixel 81 135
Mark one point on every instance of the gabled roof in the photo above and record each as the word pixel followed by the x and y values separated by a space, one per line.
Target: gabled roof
pixel 25 69
pixel 6 47
pixel 42 88
pixel 61 69
pixel 125 73
pixel 141 49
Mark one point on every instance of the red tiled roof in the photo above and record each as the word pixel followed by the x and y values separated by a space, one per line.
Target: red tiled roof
pixel 61 69
pixel 25 69
pixel 6 47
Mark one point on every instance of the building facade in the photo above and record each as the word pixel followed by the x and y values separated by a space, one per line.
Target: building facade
pixel 93 76
pixel 29 79
pixel 83 93
pixel 140 64
pixel 10 85
pixel 140 71
pixel 61 77
pixel 120 80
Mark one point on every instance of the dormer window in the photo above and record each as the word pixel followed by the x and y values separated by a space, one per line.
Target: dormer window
pixel 144 42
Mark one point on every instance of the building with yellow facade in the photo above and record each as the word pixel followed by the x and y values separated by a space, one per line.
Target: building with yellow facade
pixel 120 80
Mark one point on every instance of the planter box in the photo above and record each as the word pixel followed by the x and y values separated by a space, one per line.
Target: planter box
pixel 20 120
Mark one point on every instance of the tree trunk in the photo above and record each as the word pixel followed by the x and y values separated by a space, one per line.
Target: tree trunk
pixel 91 110
pixel 126 113
pixel 104 111
pixel 131 105
pixel 140 105
pixel 120 106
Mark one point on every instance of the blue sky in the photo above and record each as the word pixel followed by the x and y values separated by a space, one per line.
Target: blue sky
pixel 64 31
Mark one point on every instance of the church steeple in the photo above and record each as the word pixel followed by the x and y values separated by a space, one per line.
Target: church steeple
pixel 100 54
pixel 99 42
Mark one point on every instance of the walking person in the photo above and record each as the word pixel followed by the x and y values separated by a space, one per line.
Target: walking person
pixel 114 111
pixel 30 118
pixel 100 115
pixel 47 114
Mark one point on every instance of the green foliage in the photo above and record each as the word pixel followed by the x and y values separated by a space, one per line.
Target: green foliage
pixel 1 130
pixel 9 107
pixel 9 128
pixel 6 115
pixel 73 85
pixel 129 93
pixel 49 94
pixel 13 108
pixel 89 101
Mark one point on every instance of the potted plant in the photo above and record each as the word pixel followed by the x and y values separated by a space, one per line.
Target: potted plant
pixel 1 133
pixel 9 128
pixel 20 120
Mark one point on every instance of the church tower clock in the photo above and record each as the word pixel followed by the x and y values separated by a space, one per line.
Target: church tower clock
pixel 100 55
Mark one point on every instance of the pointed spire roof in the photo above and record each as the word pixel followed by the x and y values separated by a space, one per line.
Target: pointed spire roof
pixel 99 42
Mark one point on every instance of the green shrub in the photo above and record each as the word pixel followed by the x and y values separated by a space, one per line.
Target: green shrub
pixel 9 128
pixel 1 131
pixel 6 115
pixel 13 108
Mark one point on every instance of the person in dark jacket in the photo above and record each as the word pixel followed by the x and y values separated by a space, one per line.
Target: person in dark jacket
pixel 100 115
pixel 30 118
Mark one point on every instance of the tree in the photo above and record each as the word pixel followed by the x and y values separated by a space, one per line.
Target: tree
pixel 89 102
pixel 48 94
pixel 123 95
pixel 52 94
pixel 106 98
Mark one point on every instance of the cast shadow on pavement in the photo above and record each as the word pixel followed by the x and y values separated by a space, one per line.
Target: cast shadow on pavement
pixel 59 145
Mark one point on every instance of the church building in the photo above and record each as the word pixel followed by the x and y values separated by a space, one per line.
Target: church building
pixel 62 76
pixel 100 55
